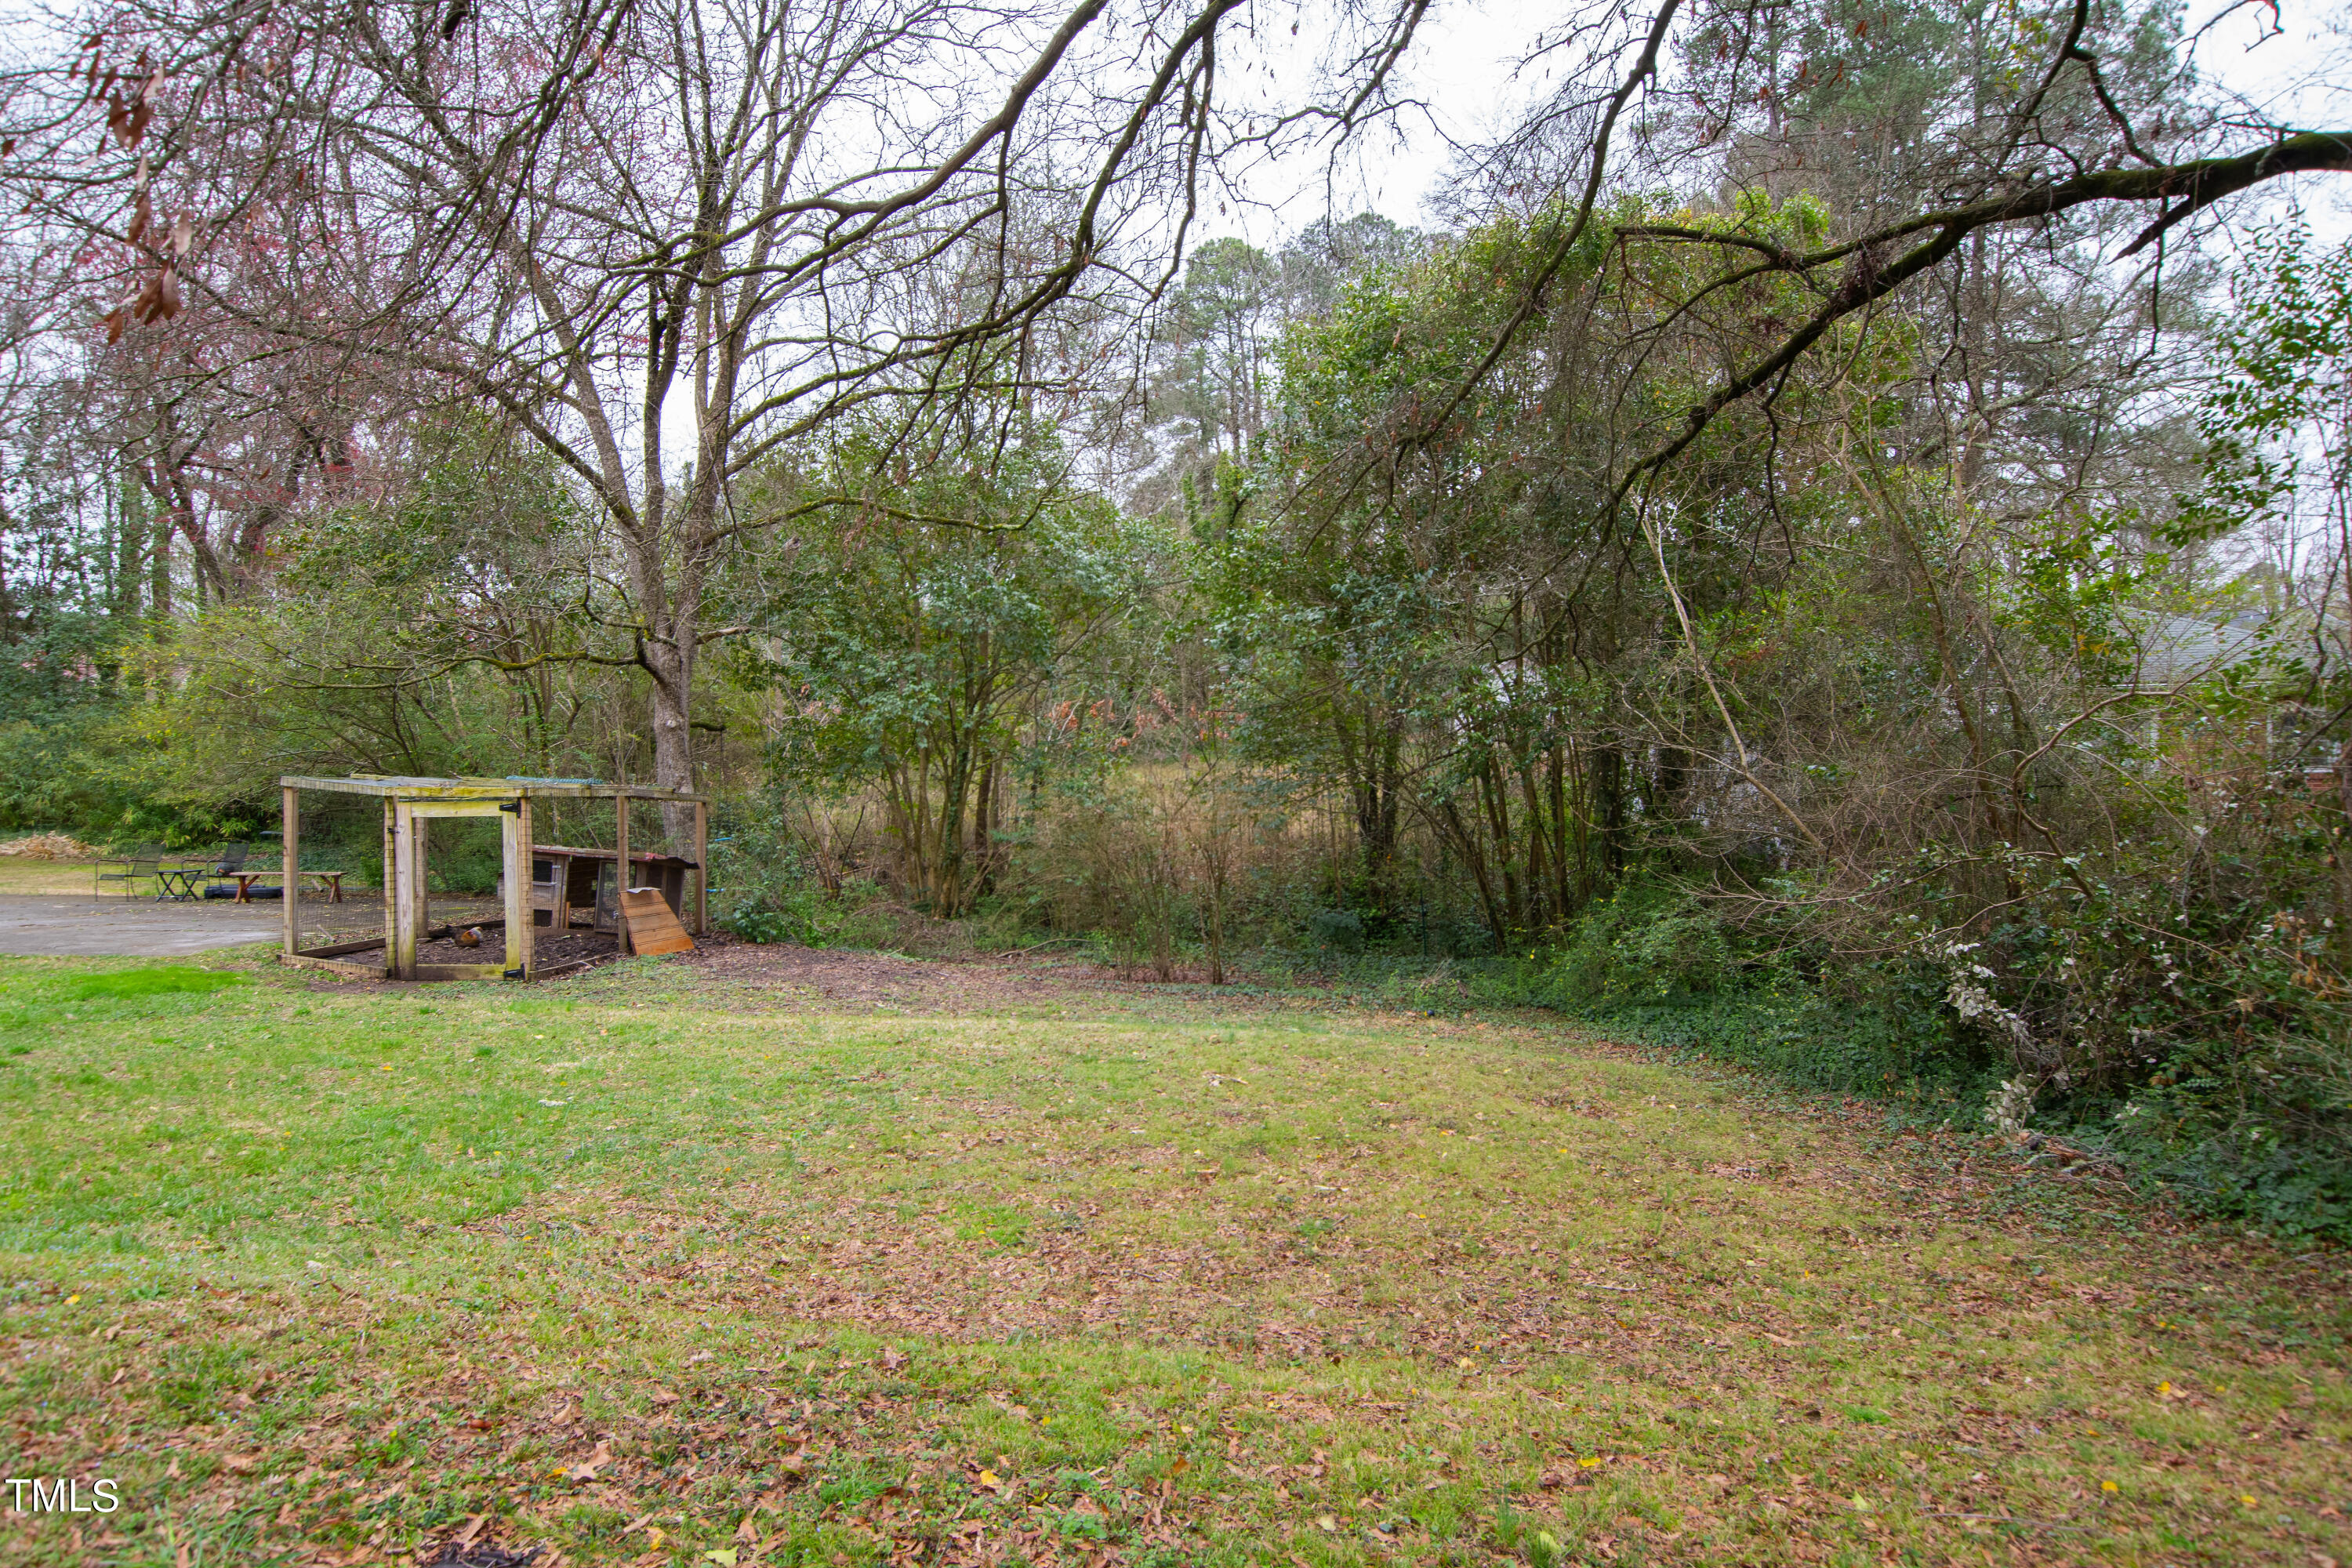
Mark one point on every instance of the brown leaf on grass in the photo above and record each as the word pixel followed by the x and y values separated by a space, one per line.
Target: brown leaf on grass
pixel 243 1463
pixel 586 1469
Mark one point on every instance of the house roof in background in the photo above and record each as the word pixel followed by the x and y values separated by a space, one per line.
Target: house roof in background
pixel 2177 649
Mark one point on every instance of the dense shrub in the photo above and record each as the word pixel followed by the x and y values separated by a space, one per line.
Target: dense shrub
pixel 2211 1059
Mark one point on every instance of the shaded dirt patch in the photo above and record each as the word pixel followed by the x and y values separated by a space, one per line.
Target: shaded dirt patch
pixel 780 975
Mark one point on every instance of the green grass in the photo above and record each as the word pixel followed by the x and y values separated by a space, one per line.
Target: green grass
pixel 129 985
pixel 60 878
pixel 646 1269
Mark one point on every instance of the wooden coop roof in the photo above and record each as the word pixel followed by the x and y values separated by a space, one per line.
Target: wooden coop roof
pixel 409 789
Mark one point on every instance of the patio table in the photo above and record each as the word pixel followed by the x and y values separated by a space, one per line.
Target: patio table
pixel 178 881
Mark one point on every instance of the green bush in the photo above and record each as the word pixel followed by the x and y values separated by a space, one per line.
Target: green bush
pixel 47 779
pixel 2200 1048
pixel 1648 943
pixel 808 916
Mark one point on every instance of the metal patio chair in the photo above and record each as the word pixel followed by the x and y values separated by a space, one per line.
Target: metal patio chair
pixel 144 862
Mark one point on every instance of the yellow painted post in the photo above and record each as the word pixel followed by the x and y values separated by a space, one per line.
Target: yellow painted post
pixel 530 921
pixel 420 911
pixel 289 816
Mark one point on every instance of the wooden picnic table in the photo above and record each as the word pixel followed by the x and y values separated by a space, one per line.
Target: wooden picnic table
pixel 331 882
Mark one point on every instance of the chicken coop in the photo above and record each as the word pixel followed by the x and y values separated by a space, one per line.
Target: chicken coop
pixel 519 878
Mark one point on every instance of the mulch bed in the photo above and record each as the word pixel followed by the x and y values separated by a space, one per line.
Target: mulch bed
pixel 548 951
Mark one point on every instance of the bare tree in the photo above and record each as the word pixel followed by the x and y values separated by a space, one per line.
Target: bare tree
pixel 666 237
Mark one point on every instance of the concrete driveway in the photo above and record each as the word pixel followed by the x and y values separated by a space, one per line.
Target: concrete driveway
pixel 68 927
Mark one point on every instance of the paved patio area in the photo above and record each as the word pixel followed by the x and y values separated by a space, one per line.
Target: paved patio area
pixel 68 927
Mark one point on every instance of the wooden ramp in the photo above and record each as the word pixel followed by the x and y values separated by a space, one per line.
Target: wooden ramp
pixel 645 916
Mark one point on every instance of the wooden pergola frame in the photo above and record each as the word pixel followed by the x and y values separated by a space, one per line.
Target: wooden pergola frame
pixel 408 805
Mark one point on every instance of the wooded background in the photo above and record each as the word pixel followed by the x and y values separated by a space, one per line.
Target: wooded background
pixel 1828 546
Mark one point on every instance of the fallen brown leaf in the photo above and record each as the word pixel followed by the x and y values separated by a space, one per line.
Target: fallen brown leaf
pixel 586 1469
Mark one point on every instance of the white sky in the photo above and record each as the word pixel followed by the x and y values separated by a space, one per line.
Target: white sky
pixel 1461 70
pixel 1461 62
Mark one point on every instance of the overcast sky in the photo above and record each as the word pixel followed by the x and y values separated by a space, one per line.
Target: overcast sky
pixel 2294 69
pixel 1461 70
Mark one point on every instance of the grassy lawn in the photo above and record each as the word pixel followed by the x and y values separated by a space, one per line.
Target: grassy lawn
pixel 59 877
pixel 652 1267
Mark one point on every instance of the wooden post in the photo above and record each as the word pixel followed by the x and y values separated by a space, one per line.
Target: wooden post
pixel 529 920
pixel 701 867
pixel 514 830
pixel 420 912
pixel 558 912
pixel 408 896
pixel 390 884
pixel 290 822
pixel 621 868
